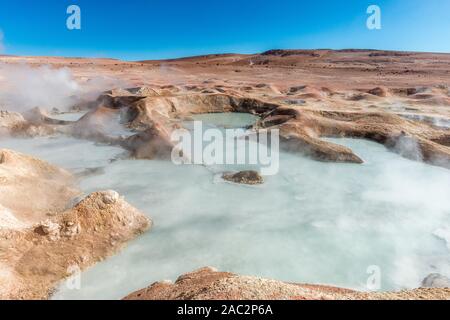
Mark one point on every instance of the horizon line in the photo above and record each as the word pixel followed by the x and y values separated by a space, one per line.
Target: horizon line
pixel 219 54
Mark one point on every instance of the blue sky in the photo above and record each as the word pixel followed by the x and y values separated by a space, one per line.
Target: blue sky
pixel 151 29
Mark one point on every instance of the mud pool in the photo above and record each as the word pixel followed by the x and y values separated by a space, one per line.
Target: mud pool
pixel 312 223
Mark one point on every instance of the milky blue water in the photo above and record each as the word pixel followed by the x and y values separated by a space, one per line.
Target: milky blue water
pixel 313 222
pixel 227 120
pixel 68 116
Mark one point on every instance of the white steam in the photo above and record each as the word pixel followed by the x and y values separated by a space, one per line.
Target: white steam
pixel 408 147
pixel 92 87
pixel 23 87
pixel 26 87
pixel 443 233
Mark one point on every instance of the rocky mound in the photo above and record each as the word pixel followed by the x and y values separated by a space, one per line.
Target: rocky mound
pixel 436 280
pixel 42 242
pixel 35 259
pixel 209 284
pixel 31 189
pixel 244 177
pixel 101 125
pixel 10 121
pixel 15 124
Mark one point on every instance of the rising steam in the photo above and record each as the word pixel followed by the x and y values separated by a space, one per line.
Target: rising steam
pixel 25 87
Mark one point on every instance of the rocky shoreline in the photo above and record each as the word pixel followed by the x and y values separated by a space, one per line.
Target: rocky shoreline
pixel 152 114
pixel 210 284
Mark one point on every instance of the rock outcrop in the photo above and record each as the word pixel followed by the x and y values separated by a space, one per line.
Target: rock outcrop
pixel 35 259
pixel 209 284
pixel 10 122
pixel 32 189
pixel 156 115
pixel 100 125
pixel 244 177
pixel 43 239
pixel 436 280
pixel 153 143
pixel 16 124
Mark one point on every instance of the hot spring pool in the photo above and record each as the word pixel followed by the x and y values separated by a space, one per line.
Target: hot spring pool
pixel 313 222
pixel 68 116
pixel 227 120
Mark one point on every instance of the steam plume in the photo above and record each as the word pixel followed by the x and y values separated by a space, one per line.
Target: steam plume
pixel 25 87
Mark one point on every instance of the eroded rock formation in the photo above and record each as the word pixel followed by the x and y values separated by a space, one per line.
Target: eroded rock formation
pixel 10 121
pixel 150 114
pixel 42 238
pixel 210 284
pixel 31 189
pixel 436 280
pixel 302 128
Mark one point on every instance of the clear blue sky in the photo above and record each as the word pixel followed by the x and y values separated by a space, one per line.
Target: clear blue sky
pixel 149 29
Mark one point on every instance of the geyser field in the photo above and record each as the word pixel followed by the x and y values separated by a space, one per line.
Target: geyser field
pixel 359 208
